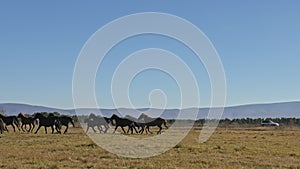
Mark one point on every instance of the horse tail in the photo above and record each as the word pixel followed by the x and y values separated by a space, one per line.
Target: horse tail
pixel 57 123
pixel 2 126
pixel 165 124
pixel 16 122
pixel 72 122
pixel 35 122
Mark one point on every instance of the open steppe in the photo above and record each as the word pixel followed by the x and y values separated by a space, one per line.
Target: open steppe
pixel 237 147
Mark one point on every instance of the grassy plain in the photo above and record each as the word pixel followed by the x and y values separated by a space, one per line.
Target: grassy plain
pixel 254 147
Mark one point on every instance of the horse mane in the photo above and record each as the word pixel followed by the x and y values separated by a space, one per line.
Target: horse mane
pixel 92 116
pixel 131 118
pixel 21 114
pixel 114 115
pixel 143 115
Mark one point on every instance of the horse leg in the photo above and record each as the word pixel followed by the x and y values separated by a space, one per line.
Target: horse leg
pixel 32 127
pixel 13 127
pixel 25 128
pixel 135 130
pixel 94 129
pixel 148 128
pixel 128 129
pixel 106 128
pixel 159 131
pixel 17 125
pixel 143 129
pixel 87 129
pixel 123 129
pixel 66 129
pixel 99 128
pixel 52 128
pixel 29 128
pixel 115 129
pixel 22 127
pixel 37 129
pixel 46 130
pixel 165 124
pixel 57 129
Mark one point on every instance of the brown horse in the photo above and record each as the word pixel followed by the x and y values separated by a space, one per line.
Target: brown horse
pixel 10 120
pixel 27 121
pixel 153 122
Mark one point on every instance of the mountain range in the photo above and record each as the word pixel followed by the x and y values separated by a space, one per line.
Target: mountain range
pixel 274 110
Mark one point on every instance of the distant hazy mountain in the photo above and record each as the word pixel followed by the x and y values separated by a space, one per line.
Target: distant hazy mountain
pixel 287 109
pixel 16 108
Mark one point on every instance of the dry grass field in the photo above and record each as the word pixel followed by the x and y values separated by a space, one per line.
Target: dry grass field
pixel 255 147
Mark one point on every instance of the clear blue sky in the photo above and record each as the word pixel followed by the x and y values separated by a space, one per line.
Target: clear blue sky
pixel 257 41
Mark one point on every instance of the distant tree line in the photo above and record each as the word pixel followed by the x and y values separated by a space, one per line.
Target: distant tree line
pixel 254 122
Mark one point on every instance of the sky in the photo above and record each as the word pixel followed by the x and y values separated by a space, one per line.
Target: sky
pixel 258 43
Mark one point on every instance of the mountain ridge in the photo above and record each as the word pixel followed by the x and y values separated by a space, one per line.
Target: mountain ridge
pixel 260 110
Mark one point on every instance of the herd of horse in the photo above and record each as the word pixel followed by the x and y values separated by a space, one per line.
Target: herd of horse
pixel 21 122
pixel 143 123
pixel 139 125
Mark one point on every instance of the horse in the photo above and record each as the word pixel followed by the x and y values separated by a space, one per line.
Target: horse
pixel 64 121
pixel 27 121
pixel 94 120
pixel 153 122
pixel 123 122
pixel 139 124
pixel 10 120
pixel 49 121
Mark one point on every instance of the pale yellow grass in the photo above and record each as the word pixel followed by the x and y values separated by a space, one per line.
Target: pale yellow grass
pixel 232 148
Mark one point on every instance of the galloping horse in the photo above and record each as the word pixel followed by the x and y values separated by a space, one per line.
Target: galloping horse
pixel 153 122
pixel 10 120
pixel 123 122
pixel 64 121
pixel 49 121
pixel 27 120
pixel 139 124
pixel 94 120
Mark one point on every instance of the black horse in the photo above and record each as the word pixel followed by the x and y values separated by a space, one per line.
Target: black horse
pixel 153 122
pixel 139 124
pixel 10 120
pixel 143 126
pixel 49 121
pixel 27 121
pixel 63 121
pixel 122 122
pixel 97 121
